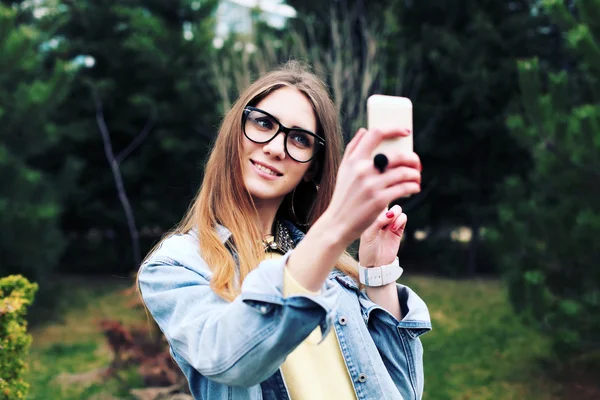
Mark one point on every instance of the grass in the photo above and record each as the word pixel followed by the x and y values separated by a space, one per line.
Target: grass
pixel 478 348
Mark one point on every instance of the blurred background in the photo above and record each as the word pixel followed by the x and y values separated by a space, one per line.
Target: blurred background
pixel 108 109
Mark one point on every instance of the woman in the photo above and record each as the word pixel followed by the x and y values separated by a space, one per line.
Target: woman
pixel 254 289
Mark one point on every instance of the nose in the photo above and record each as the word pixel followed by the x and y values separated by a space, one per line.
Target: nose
pixel 276 147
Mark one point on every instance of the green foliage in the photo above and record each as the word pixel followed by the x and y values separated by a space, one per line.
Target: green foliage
pixel 30 205
pixel 163 89
pixel 549 220
pixel 16 295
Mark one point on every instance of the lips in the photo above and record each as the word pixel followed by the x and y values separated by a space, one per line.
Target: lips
pixel 267 168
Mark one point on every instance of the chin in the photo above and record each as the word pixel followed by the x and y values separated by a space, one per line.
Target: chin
pixel 258 195
pixel 260 192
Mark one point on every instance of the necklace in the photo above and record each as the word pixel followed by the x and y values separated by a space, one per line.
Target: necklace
pixel 281 241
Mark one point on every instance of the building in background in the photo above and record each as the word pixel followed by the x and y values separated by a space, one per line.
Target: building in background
pixel 236 16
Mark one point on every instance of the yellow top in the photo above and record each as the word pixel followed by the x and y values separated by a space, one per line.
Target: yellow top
pixel 314 370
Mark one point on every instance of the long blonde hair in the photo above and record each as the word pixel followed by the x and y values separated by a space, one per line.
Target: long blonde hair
pixel 223 197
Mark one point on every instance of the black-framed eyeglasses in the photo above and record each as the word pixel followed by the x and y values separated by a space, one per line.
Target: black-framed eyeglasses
pixel 261 127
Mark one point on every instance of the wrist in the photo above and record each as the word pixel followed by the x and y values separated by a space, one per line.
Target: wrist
pixel 330 232
pixel 372 254
pixel 375 263
pixel 387 288
pixel 315 256
pixel 387 297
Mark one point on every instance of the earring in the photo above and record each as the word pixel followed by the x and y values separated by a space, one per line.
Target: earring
pixel 293 212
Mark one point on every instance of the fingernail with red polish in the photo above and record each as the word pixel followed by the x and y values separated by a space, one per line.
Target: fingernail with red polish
pixel 389 214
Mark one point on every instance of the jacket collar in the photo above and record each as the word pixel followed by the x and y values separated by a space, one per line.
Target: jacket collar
pixel 297 235
pixel 223 233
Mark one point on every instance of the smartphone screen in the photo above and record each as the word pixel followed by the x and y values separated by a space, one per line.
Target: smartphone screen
pixel 391 112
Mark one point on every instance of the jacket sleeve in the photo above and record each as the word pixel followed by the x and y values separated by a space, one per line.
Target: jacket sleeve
pixel 398 342
pixel 238 343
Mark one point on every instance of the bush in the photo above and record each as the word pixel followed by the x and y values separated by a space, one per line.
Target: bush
pixel 16 294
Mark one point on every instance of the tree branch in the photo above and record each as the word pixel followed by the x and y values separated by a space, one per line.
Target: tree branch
pixel 116 171
pixel 139 138
pixel 221 82
pixel 553 148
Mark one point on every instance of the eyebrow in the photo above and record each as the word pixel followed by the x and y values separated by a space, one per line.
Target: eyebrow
pixel 290 127
pixel 299 127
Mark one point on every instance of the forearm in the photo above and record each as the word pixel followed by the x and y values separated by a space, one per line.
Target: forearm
pixel 261 327
pixel 387 298
pixel 315 256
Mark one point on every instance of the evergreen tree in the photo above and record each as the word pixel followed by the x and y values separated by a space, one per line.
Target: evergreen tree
pixel 547 237
pixel 146 88
pixel 30 200
pixel 469 81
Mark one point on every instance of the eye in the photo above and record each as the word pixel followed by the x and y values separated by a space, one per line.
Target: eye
pixel 301 139
pixel 263 123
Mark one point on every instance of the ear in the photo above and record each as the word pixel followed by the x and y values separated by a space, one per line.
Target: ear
pixel 312 171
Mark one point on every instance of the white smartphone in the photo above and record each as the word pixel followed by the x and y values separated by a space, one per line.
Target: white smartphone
pixel 391 112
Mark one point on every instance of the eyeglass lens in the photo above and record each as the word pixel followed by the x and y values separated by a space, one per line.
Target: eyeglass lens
pixel 261 128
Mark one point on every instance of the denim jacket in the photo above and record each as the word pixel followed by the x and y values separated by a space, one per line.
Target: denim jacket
pixel 233 350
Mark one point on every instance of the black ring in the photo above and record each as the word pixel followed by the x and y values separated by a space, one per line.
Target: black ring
pixel 380 161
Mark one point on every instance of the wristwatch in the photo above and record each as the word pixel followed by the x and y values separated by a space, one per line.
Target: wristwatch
pixel 380 276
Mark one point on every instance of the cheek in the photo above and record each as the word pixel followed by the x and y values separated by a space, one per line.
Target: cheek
pixel 298 173
pixel 249 147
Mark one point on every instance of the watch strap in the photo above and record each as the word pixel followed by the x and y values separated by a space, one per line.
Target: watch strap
pixel 380 276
